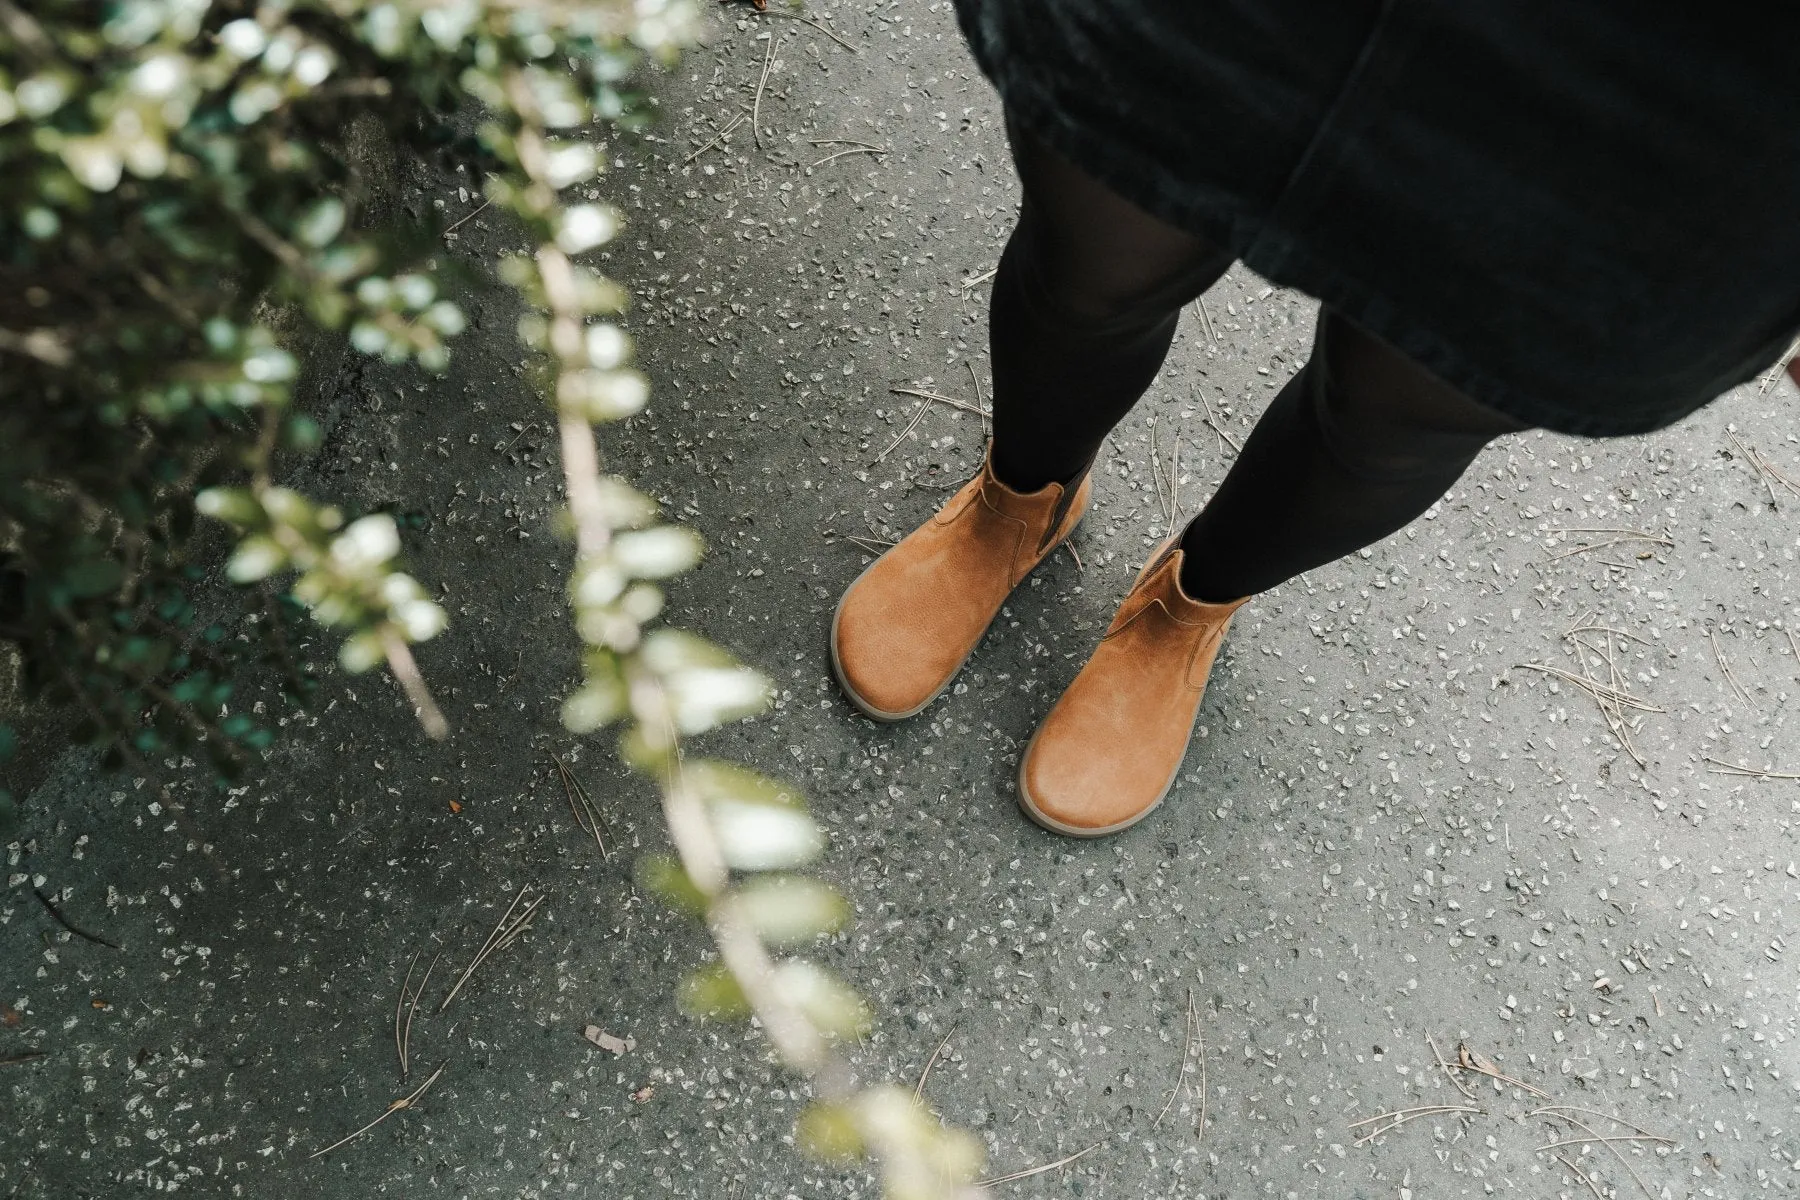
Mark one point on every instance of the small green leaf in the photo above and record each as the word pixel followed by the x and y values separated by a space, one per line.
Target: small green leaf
pixel 715 780
pixel 360 652
pixel 712 991
pixel 234 506
pixel 662 876
pixel 829 1132
pixel 643 753
pixel 623 506
pixel 321 223
pixel 256 557
pixel 760 837
pixel 657 553
pixel 603 396
pixel 788 909
pixel 832 1007
pixel 585 226
pixel 367 543
pixel 95 577
pixel 595 704
pixel 704 698
pixel 302 433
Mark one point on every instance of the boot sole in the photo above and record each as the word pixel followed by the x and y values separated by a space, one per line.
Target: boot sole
pixel 1043 820
pixel 877 714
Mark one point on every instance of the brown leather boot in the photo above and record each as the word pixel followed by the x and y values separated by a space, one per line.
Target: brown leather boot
pixel 910 621
pixel 1111 747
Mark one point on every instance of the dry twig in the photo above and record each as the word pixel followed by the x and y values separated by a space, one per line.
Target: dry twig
pixel 1585 628
pixel 717 138
pixel 1200 1041
pixel 1624 1137
pixel 1187 1052
pixel 981 404
pixel 1737 688
pixel 400 1012
pixel 1610 709
pixel 919 1088
pixel 412 1009
pixel 805 20
pixel 1206 319
pixel 1058 1164
pixel 1175 484
pixel 587 813
pixel 504 934
pixel 1561 1112
pixel 1470 1060
pixel 910 426
pixel 467 217
pixel 1156 477
pixel 57 916
pixel 1455 1080
pixel 1725 768
pixel 1554 1109
pixel 1620 537
pixel 1766 472
pixel 1401 1116
pixel 408 1101
pixel 974 280
pixel 1774 375
pixel 756 106
pixel 952 401
pixel 852 150
pixel 1581 1175
pixel 1592 687
pixel 873 546
pixel 1212 423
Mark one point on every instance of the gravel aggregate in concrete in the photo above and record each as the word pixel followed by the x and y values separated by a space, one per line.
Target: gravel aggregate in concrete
pixel 1390 828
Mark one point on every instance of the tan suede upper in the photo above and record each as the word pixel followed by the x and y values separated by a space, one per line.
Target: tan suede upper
pixel 1111 747
pixel 909 622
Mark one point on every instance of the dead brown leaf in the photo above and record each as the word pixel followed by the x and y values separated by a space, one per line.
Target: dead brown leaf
pixel 607 1041
pixel 1473 1060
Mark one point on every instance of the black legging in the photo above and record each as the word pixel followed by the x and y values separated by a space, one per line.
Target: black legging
pixel 1085 305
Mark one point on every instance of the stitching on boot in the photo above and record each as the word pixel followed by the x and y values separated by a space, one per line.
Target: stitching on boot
pixel 1063 504
pixel 955 507
pixel 1213 639
pixel 1153 602
pixel 1020 529
pixel 1141 586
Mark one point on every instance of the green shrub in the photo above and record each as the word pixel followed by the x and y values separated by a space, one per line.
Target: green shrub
pixel 177 205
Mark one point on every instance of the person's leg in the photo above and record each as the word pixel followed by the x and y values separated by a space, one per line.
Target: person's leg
pixel 1359 443
pixel 1356 445
pixel 1085 304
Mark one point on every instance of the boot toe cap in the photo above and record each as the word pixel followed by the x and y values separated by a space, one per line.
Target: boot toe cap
pixel 1069 781
pixel 880 662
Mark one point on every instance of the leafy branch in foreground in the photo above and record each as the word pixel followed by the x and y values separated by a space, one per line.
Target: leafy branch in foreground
pixel 174 174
